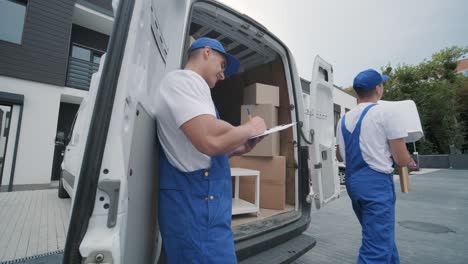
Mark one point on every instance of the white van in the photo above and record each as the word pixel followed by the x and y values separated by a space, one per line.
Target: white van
pixel 110 167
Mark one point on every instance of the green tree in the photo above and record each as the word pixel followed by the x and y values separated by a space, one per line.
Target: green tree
pixel 440 95
pixel 462 101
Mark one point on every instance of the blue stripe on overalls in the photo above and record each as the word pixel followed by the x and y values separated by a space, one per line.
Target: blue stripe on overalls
pixel 372 195
pixel 195 211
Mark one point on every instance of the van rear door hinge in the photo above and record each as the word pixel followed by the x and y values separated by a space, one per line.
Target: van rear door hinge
pixel 112 189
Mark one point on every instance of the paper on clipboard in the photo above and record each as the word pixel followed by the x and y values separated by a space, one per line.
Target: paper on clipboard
pixel 274 129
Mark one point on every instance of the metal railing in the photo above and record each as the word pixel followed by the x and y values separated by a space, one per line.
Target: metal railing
pixel 79 73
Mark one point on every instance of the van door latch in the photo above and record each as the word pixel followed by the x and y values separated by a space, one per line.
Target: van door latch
pixel 112 189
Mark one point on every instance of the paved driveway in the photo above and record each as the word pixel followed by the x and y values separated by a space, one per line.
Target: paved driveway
pixel 32 223
pixel 432 223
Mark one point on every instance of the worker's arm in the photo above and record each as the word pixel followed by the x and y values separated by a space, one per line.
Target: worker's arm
pixel 338 154
pixel 399 152
pixel 213 137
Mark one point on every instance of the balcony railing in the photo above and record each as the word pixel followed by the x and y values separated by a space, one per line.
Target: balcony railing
pixel 79 73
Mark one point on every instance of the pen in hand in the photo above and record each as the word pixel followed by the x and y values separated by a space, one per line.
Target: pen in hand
pixel 249 114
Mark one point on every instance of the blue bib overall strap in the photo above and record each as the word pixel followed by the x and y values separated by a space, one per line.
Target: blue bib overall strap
pixel 372 195
pixel 195 211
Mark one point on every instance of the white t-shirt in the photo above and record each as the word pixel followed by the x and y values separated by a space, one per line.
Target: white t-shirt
pixel 182 95
pixel 378 127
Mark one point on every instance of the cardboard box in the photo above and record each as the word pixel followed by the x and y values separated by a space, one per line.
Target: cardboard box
pixel 404 179
pixel 268 112
pixel 272 180
pixel 259 93
pixel 270 145
pixel 272 194
pixel 246 188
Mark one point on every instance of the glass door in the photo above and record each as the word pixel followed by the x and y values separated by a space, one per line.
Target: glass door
pixel 5 124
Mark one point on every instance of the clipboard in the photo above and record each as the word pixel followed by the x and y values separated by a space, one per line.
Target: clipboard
pixel 274 130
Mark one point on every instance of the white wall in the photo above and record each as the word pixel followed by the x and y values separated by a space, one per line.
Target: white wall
pixel 38 127
pixel 344 99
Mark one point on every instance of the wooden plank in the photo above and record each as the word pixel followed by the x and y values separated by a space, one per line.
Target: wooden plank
pixel 52 244
pixel 404 180
pixel 7 205
pixel 42 247
pixel 29 220
pixel 17 226
pixel 59 230
pixel 13 213
pixel 3 196
pixel 65 213
pixel 32 223
pixel 36 213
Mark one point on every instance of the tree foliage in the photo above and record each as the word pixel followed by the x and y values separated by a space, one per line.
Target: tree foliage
pixel 440 94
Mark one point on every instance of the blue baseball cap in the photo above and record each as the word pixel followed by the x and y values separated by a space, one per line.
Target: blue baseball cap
pixel 369 79
pixel 232 63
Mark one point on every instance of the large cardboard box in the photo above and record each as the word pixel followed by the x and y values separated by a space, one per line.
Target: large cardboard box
pixel 272 180
pixel 268 112
pixel 270 145
pixel 259 93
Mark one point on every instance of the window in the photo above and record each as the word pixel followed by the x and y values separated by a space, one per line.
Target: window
pixel 465 72
pixel 97 58
pixel 7 123
pixel 12 14
pixel 86 54
pixel 81 53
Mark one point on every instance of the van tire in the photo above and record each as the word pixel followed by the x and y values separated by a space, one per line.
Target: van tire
pixel 62 193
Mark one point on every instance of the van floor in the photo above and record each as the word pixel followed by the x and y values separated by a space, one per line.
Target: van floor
pixel 264 213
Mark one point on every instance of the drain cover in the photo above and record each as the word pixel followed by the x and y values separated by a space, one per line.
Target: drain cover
pixel 425 227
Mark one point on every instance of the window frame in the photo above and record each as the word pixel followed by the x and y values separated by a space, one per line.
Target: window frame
pixel 93 52
pixel 26 5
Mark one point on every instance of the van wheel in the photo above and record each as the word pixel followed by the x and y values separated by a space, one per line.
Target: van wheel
pixel 62 193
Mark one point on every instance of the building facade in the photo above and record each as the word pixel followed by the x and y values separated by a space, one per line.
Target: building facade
pixel 462 65
pixel 342 101
pixel 48 52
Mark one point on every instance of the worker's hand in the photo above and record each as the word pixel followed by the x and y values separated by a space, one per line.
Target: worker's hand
pixel 247 147
pixel 257 126
pixel 251 143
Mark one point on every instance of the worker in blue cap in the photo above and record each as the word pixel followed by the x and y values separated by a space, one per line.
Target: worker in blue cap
pixel 195 192
pixel 370 138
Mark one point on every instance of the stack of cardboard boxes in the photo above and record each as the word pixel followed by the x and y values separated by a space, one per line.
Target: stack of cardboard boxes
pixel 263 101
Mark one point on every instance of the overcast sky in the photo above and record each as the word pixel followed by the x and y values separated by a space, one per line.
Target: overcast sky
pixel 354 35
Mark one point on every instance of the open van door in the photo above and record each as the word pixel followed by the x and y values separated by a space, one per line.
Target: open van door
pixel 324 175
pixel 114 217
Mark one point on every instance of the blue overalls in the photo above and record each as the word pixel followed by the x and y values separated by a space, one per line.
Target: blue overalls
pixel 195 211
pixel 372 195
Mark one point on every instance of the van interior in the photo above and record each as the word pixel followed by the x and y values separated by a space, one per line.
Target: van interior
pixel 262 61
